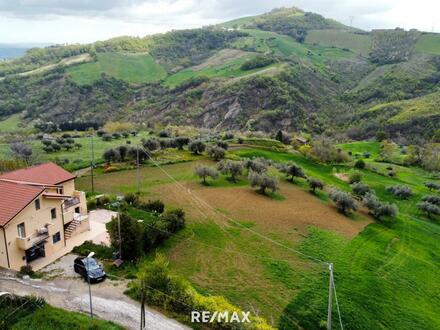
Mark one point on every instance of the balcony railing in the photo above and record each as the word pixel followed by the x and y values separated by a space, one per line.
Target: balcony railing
pixel 71 202
pixel 29 241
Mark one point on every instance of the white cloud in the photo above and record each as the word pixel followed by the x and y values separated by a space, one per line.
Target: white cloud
pixel 89 20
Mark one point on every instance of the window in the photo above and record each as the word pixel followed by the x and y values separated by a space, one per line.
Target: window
pixel 21 230
pixel 60 191
pixel 53 213
pixel 56 238
pixel 37 204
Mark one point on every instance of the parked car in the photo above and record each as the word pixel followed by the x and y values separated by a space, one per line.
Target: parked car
pixel 89 266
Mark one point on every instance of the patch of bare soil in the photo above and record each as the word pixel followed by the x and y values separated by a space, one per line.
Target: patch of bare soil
pixel 342 176
pixel 296 212
pixel 222 57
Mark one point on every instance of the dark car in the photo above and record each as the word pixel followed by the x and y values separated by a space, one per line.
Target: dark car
pixel 89 266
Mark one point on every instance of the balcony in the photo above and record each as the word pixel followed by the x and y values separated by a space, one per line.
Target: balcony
pixel 29 241
pixel 71 202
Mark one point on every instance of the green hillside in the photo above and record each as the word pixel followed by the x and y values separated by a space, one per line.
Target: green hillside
pixel 132 68
pixel 404 111
pixel 357 42
pixel 429 43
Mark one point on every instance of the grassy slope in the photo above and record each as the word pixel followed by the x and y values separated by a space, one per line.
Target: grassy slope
pixel 133 68
pixel 429 43
pixel 10 124
pixel 386 277
pixel 50 318
pixel 359 43
pixel 230 69
pixel 424 106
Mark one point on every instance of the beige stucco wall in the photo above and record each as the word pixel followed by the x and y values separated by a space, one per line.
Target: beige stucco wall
pixel 3 256
pixel 34 220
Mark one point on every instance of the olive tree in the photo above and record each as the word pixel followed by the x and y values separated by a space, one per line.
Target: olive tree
pixel 361 189
pixel 429 209
pixel 216 153
pixel 231 168
pixel 315 184
pixel 197 147
pixel 377 208
pixel 263 181
pixel 205 172
pixel 432 186
pixel 344 202
pixel 432 199
pixel 400 191
pixel 292 170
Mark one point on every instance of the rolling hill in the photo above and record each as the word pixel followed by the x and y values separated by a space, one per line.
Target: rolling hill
pixel 286 69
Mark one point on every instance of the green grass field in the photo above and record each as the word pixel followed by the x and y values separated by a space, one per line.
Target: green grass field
pixel 359 43
pixel 78 158
pixel 386 276
pixel 429 43
pixel 132 68
pixel 52 318
pixel 11 124
pixel 230 69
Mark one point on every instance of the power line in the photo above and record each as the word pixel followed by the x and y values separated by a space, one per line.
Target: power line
pixel 337 304
pixel 236 222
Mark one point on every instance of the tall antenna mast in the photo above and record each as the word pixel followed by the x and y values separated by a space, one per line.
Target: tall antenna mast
pixel 351 20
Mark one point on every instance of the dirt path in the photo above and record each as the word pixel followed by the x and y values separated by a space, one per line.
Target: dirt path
pixel 109 302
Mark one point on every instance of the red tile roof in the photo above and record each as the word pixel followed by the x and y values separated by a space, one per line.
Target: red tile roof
pixel 14 198
pixel 46 174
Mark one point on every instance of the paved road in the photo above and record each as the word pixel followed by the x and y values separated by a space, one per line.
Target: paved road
pixel 109 302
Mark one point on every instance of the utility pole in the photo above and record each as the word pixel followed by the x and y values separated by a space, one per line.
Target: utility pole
pixel 92 165
pixel 142 305
pixel 330 297
pixel 119 233
pixel 137 164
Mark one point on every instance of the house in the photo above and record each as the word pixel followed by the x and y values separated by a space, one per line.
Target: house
pixel 39 211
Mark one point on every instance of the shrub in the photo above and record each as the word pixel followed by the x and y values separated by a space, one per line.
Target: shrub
pixel 216 153
pixel 110 155
pixel 400 191
pixel 360 164
pixel 101 251
pixel 259 61
pixel 131 199
pixel 344 202
pixel 151 144
pixel 263 181
pixel 379 209
pixel 156 206
pixel 27 270
pixel 432 199
pixel 354 177
pixel 315 184
pixel 231 168
pixel 164 134
pixel 361 189
pixel 181 141
pixel 123 152
pixel 206 171
pixel 175 220
pixel 91 204
pixel 106 137
pixel 429 209
pixel 432 185
pixel 223 145
pixel 197 147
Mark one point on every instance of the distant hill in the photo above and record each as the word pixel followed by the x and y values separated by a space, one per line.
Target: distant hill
pixel 285 69
pixel 10 51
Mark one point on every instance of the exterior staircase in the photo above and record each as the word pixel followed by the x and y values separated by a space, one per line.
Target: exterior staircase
pixel 71 228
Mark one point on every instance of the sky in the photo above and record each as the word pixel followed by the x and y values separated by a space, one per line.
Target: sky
pixel 84 21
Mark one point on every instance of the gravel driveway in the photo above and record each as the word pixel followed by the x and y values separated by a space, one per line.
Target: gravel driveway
pixel 69 291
